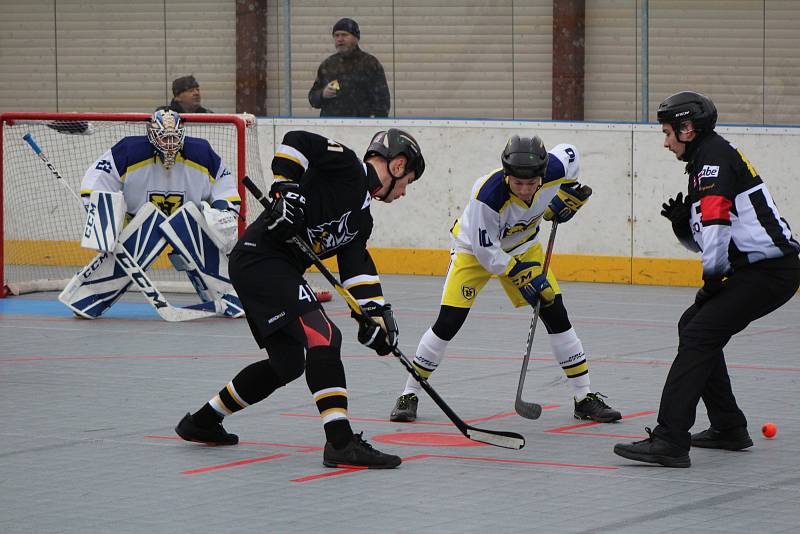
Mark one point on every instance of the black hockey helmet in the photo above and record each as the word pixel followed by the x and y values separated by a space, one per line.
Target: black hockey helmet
pixel 688 106
pixel 524 157
pixel 393 142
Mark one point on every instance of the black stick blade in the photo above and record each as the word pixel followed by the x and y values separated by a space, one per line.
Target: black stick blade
pixel 528 410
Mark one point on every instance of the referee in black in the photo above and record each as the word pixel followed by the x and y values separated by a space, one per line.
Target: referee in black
pixel 750 268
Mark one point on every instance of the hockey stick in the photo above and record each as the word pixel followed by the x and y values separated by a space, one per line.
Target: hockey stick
pixel 131 267
pixel 508 440
pixel 532 410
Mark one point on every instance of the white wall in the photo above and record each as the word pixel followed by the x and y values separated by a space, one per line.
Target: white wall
pixel 625 164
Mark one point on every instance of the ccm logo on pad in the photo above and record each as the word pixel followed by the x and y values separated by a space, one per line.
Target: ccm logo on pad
pixel 709 171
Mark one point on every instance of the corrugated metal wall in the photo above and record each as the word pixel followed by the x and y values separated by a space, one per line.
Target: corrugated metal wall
pixel 470 58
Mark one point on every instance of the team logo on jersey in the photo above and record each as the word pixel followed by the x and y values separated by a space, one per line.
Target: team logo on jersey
pixel 520 226
pixel 468 292
pixel 167 202
pixel 331 235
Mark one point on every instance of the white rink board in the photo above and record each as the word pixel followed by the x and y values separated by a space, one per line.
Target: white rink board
pixel 625 164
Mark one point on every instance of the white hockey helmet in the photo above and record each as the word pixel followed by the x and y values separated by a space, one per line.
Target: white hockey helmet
pixel 166 132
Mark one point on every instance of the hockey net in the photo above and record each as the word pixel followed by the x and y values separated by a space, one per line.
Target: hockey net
pixel 41 222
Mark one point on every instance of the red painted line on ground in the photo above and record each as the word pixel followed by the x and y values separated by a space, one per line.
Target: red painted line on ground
pixel 234 464
pixel 467 458
pixel 569 429
pixel 138 357
pixel 302 448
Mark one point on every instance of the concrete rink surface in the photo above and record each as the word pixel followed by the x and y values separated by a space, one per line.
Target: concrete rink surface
pixel 88 410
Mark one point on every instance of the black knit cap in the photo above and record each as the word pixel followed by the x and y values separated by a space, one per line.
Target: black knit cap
pixel 347 25
pixel 184 83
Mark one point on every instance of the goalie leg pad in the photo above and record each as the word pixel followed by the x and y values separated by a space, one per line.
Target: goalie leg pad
pixel 202 259
pixel 105 214
pixel 103 281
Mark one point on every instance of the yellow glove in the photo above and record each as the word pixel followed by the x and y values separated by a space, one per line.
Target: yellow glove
pixel 568 200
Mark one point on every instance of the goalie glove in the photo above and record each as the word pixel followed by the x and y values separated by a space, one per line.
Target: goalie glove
pixel 287 214
pixel 381 334
pixel 568 200
pixel 222 225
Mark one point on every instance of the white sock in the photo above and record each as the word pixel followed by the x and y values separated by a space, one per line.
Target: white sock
pixel 568 352
pixel 429 355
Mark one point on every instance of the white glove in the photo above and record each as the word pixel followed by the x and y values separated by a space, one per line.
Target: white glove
pixel 222 225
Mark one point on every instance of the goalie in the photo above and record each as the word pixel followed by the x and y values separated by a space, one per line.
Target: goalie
pixel 150 191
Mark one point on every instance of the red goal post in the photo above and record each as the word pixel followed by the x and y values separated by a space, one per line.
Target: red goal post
pixel 39 221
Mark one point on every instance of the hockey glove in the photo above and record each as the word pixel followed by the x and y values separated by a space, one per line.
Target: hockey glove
pixel 711 287
pixel 568 200
pixel 532 283
pixel 287 214
pixel 381 334
pixel 678 211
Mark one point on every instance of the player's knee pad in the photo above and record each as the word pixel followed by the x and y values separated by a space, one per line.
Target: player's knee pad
pixel 319 330
pixel 555 316
pixel 286 357
pixel 449 321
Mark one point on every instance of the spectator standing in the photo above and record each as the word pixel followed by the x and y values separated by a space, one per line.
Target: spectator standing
pixel 186 96
pixel 351 82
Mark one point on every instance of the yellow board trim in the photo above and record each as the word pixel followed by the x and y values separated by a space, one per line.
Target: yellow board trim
pixel 430 262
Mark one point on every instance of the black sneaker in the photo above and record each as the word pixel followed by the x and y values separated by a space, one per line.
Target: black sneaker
pixel 734 439
pixel 654 450
pixel 405 409
pixel 213 435
pixel 592 408
pixel 358 453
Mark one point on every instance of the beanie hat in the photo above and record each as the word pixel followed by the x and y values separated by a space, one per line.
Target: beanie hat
pixel 347 25
pixel 184 83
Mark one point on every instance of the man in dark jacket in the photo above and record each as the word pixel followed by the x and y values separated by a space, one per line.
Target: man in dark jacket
pixel 186 93
pixel 351 82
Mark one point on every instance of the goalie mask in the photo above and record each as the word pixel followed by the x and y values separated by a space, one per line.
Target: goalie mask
pixel 166 132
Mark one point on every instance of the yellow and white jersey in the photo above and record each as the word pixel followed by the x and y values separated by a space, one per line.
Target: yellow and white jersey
pixel 497 225
pixel 133 167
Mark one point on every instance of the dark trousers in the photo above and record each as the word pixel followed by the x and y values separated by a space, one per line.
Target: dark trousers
pixel 699 369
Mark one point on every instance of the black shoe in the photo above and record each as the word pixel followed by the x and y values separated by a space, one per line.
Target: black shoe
pixel 213 435
pixel 592 408
pixel 358 453
pixel 734 439
pixel 405 409
pixel 654 450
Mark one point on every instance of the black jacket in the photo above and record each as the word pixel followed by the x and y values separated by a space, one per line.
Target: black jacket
pixel 363 91
pixel 178 108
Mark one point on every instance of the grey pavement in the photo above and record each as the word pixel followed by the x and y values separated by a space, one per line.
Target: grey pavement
pixel 88 409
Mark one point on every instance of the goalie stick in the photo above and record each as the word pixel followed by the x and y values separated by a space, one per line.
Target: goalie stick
pixel 532 410
pixel 129 264
pixel 508 440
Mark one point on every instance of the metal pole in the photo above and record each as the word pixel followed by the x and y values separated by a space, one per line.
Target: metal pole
pixel 645 60
pixel 286 103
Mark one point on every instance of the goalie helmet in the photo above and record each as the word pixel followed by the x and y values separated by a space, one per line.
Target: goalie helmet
pixel 166 132
pixel 524 157
pixel 392 143
pixel 688 106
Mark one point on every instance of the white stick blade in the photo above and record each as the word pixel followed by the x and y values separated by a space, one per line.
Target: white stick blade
pixel 506 440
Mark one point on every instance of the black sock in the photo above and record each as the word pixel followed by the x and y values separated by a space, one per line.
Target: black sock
pixel 339 433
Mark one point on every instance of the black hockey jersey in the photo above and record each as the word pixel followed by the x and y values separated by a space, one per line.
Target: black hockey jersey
pixel 734 219
pixel 338 222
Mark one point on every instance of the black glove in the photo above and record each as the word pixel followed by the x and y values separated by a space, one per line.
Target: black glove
pixel 287 214
pixel 711 287
pixel 381 333
pixel 678 211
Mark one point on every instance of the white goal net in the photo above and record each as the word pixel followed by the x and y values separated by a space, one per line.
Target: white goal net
pixel 41 221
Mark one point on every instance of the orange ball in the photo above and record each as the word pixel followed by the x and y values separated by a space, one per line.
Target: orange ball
pixel 769 430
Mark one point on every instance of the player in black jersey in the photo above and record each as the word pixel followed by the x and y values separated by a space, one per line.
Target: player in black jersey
pixel 750 268
pixel 321 193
